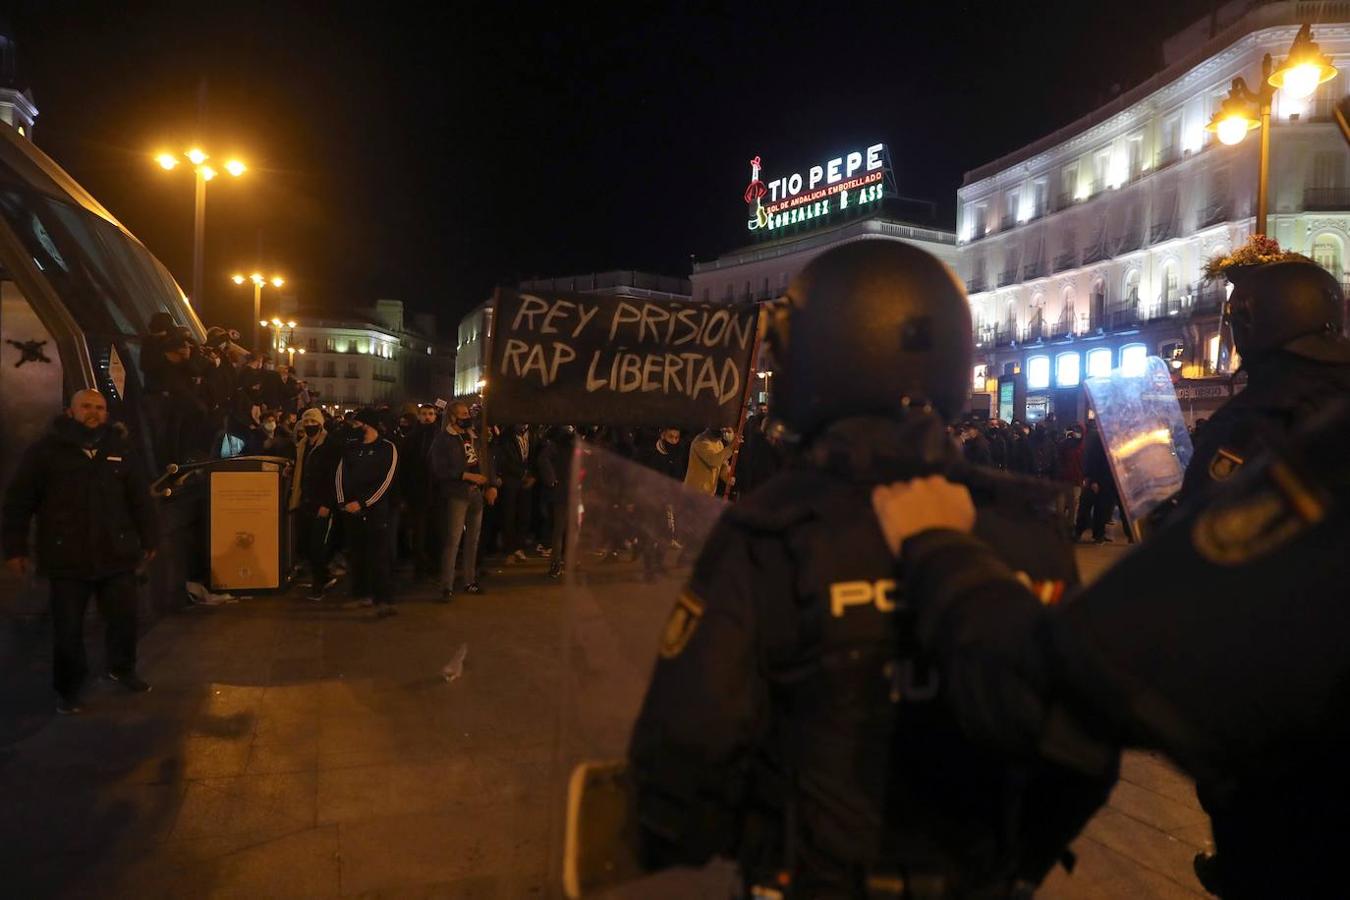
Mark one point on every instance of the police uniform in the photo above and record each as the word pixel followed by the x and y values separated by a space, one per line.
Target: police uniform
pixel 1246 684
pixel 791 721
pixel 1287 319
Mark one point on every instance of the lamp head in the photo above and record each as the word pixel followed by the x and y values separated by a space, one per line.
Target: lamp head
pixel 1304 68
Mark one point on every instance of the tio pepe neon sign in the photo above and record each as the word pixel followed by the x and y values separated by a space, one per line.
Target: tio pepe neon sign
pixel 855 178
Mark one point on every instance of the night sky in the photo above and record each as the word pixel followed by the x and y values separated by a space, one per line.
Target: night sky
pixel 428 154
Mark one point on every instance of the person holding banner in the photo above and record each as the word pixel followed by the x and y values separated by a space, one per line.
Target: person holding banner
pixel 791 720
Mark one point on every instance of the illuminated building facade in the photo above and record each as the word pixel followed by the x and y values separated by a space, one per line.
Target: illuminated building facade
pixel 1084 251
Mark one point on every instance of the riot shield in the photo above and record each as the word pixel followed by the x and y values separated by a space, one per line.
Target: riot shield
pixel 633 534
pixel 1144 434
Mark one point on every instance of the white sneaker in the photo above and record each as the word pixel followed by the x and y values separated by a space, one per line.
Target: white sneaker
pixel 363 603
pixel 520 555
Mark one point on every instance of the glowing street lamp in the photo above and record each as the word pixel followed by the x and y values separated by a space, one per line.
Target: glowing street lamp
pixel 1243 110
pixel 204 173
pixel 258 283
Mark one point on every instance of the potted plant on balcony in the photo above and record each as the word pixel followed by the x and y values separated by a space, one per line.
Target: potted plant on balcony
pixel 1259 250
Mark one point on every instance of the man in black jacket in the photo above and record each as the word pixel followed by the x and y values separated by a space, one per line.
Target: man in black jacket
pixel 364 492
pixel 461 472
pixel 313 496
pixel 515 468
pixel 95 526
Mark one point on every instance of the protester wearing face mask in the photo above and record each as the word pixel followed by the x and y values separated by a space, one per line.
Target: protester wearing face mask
pixel 313 499
pixel 95 526
pixel 365 491
pixel 462 475
pixel 708 456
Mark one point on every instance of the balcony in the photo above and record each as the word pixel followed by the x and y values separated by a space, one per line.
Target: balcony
pixel 1208 298
pixel 1120 317
pixel 1005 336
pixel 1035 331
pixel 1007 223
pixel 1166 157
pixel 1326 198
pixel 1007 277
pixel 1066 261
pixel 976 285
pixel 979 232
pixel 1061 329
pixel 1064 201
pixel 985 335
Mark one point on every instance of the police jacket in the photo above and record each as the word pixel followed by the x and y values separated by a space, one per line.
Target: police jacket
pixel 365 474
pixel 95 516
pixel 1282 391
pixel 1237 671
pixel 790 689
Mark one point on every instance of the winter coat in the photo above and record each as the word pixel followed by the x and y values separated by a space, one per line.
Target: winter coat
pixel 707 456
pixel 95 516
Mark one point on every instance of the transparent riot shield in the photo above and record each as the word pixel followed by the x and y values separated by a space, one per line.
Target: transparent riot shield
pixel 1144 434
pixel 633 535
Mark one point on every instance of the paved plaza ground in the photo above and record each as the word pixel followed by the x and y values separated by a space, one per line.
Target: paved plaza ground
pixel 297 749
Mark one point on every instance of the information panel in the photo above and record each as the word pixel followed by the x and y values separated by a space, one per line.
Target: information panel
pixel 245 530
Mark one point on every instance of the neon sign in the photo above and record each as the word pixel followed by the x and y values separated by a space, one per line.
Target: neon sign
pixel 846 182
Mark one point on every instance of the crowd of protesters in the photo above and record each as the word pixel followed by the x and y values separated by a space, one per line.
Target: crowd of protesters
pixel 1073 455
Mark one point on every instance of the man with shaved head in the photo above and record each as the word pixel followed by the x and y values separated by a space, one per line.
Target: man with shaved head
pixel 95 525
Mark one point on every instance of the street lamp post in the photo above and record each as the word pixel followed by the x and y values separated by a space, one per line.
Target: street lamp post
pixel 1303 69
pixel 203 173
pixel 258 282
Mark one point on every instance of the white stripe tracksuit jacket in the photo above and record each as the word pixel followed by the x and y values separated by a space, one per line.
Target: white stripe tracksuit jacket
pixel 366 475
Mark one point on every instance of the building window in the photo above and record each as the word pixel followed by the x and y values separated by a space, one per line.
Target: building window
pixel 1131 287
pixel 1326 252
pixel 1133 360
pixel 1068 370
pixel 330 369
pixel 330 345
pixel 1099 362
pixel 1038 373
pixel 978 378
pixel 1069 181
pixel 313 344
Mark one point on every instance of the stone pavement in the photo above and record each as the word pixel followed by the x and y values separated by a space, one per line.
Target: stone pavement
pixel 298 749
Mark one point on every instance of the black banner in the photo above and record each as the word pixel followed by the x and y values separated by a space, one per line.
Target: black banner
pixel 583 359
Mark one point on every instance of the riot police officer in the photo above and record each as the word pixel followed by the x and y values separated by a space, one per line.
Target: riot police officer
pixel 791 721
pixel 1287 319
pixel 1246 685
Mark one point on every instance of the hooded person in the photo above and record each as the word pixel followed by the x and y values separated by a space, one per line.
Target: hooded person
pixel 313 499
pixel 790 722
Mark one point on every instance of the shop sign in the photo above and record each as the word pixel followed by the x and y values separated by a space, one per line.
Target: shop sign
pixel 850 181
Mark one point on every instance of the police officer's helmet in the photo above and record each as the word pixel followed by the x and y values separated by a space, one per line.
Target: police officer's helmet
pixel 1294 305
pixel 870 328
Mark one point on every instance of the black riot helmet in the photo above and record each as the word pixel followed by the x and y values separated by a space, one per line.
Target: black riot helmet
pixel 1293 305
pixel 868 328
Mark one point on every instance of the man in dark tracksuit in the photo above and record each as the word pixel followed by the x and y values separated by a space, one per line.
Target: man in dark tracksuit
pixel 363 491
pixel 415 488
pixel 95 525
pixel 791 720
pixel 1238 671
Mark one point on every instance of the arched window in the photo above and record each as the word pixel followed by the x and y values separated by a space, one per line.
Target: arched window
pixel 1064 324
pixel 1068 370
pixel 1326 252
pixel 1099 362
pixel 1038 373
pixel 1133 359
pixel 1130 289
pixel 1171 282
